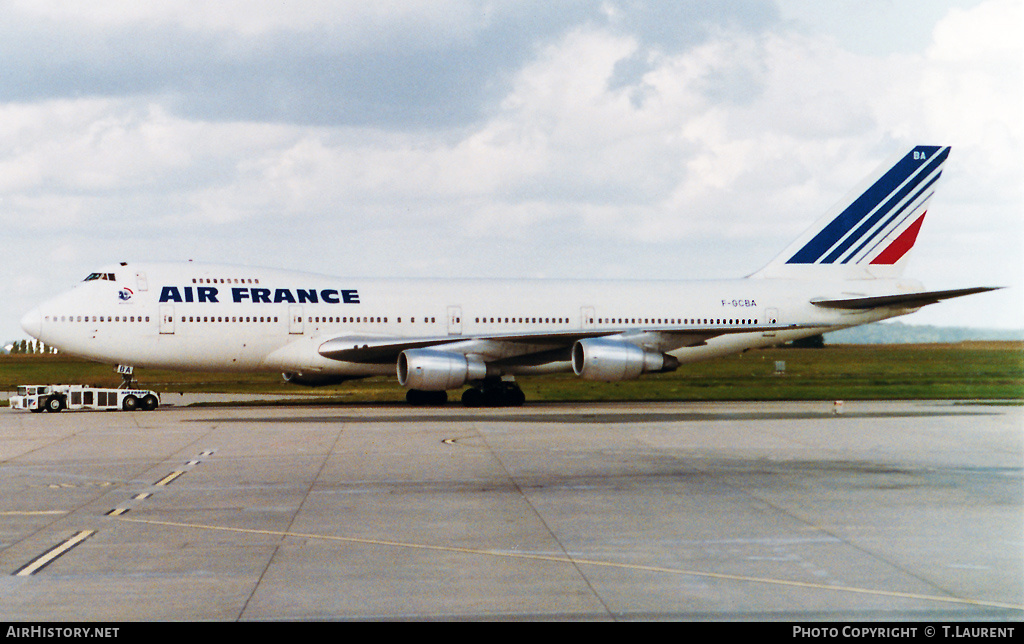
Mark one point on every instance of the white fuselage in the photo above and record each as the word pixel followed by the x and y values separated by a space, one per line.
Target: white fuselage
pixel 218 317
pixel 436 335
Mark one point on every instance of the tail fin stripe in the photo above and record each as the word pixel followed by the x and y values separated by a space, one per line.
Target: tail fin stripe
pixel 870 232
pixel 885 212
pixel 894 251
pixel 869 222
pixel 867 203
pixel 887 226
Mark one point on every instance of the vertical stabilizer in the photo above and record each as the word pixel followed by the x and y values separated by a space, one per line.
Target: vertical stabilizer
pixel 871 231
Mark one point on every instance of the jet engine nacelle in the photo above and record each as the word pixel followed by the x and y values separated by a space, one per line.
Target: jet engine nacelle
pixel 613 360
pixel 433 370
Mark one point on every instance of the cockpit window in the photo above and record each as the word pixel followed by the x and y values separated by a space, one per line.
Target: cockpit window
pixel 100 276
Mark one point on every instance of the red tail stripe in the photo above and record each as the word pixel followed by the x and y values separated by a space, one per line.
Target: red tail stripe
pixel 901 245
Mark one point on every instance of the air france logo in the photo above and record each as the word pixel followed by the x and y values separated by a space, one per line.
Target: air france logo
pixel 125 294
pixel 261 295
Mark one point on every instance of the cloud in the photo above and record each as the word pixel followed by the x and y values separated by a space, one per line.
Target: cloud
pixel 392 64
pixel 388 64
pixel 615 139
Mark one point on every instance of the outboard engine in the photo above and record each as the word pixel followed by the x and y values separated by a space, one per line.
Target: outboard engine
pixel 611 360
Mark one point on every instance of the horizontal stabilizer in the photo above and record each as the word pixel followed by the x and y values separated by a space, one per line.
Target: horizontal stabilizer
pixel 903 300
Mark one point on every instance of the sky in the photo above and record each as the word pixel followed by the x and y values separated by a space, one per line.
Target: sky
pixel 503 138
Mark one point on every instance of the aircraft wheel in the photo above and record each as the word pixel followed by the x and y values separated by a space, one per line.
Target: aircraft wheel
pixel 515 397
pixel 494 397
pixel 511 396
pixel 497 395
pixel 472 397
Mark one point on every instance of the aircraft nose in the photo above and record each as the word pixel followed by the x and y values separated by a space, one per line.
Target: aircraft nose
pixel 33 323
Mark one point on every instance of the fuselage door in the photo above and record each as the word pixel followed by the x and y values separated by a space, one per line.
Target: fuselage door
pixel 587 317
pixel 141 282
pixel 771 317
pixel 454 320
pixel 295 323
pixel 167 319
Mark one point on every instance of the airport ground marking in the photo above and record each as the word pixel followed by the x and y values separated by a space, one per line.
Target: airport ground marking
pixel 189 464
pixel 587 562
pixel 170 477
pixel 165 481
pixel 53 553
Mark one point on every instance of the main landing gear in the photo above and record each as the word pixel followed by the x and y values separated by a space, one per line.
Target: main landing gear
pixel 500 393
pixel 426 398
pixel 497 393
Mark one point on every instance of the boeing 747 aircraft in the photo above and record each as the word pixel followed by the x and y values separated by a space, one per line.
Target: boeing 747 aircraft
pixel 439 335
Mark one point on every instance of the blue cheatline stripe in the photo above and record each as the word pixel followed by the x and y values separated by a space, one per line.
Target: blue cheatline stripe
pixel 865 204
pixel 869 223
pixel 915 201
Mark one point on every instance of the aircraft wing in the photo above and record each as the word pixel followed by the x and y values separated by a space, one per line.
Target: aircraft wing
pixel 902 300
pixel 382 350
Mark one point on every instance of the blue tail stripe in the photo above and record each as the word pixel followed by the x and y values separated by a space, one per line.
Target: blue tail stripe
pixel 865 204
pixel 868 223
pixel 913 200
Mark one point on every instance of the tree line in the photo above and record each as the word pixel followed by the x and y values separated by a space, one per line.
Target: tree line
pixel 29 347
